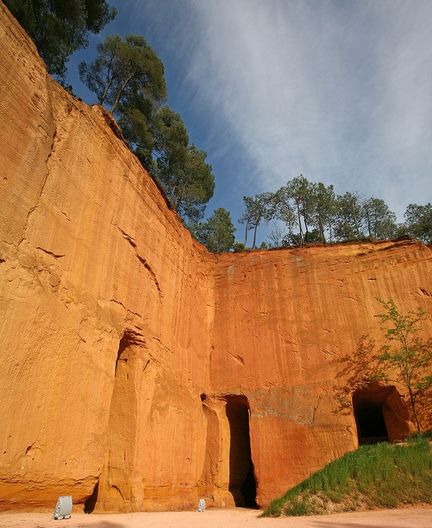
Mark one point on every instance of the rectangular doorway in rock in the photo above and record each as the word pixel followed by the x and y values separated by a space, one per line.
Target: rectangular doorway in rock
pixel 380 415
pixel 242 483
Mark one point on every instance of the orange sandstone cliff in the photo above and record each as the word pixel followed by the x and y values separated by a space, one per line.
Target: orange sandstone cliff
pixel 139 371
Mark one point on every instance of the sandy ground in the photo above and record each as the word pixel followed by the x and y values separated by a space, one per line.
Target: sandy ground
pixel 236 518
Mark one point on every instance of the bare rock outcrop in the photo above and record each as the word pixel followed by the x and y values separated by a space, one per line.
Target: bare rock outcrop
pixel 98 276
pixel 139 371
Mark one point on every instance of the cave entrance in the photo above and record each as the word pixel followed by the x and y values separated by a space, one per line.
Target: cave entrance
pixel 380 415
pixel 114 488
pixel 90 503
pixel 371 427
pixel 242 483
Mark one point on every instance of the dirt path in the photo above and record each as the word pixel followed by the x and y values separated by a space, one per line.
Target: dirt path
pixel 237 518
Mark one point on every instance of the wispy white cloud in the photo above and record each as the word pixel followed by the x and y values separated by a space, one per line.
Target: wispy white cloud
pixel 340 91
pixel 258 64
pixel 403 122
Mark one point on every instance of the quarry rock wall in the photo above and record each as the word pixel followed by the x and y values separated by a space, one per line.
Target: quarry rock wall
pixel 297 312
pixel 99 282
pixel 130 355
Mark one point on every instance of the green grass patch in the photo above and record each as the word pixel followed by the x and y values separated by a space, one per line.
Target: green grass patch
pixel 378 476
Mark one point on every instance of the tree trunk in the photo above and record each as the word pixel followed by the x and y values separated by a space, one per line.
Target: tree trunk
pixel 369 226
pixel 105 93
pixel 413 408
pixel 120 93
pixel 110 79
pixel 299 223
pixel 305 223
pixel 321 228
pixel 254 237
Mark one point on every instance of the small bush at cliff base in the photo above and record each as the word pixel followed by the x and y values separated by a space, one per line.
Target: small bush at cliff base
pixel 378 476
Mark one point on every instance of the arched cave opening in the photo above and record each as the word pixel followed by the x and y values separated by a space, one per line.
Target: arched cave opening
pixel 90 503
pixel 242 482
pixel 122 423
pixel 212 450
pixel 380 415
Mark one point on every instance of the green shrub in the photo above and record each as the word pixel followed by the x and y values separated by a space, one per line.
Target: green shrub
pixel 378 476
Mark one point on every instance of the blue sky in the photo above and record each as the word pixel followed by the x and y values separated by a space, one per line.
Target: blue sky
pixel 337 90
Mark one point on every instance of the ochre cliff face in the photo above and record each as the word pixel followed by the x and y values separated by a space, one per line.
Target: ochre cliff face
pixel 139 371
pixel 93 264
pixel 296 312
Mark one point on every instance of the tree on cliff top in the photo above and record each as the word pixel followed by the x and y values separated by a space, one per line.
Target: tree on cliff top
pixel 300 190
pixel 59 27
pixel 217 234
pixel 128 78
pixel 180 168
pixel 380 222
pixel 349 217
pixel 258 208
pixel 418 222
pixel 125 70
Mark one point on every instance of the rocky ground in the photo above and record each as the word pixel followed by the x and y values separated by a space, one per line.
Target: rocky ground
pixel 402 518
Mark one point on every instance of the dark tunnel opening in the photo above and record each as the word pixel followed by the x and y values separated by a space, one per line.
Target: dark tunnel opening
pixel 90 503
pixel 242 482
pixel 369 417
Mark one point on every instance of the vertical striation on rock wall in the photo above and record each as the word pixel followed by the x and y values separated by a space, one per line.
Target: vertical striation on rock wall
pixel 92 259
pixel 296 312
pixel 139 371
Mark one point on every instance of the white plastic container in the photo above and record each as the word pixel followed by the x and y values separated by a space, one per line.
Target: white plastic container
pixel 63 508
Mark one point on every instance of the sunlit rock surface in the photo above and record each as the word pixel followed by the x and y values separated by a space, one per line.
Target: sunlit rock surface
pixel 131 357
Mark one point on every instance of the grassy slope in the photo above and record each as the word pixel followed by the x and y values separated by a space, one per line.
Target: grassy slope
pixel 378 476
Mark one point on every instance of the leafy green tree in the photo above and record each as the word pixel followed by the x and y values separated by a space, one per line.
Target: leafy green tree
pixel 305 206
pixel 349 217
pixel 406 358
pixel 418 222
pixel 300 190
pixel 284 211
pixel 323 210
pixel 124 72
pixel 128 78
pixel 171 142
pixel 217 233
pixel 136 123
pixel 181 169
pixel 59 28
pixel 379 221
pixel 195 185
pixel 247 217
pixel 258 208
pixel 312 236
